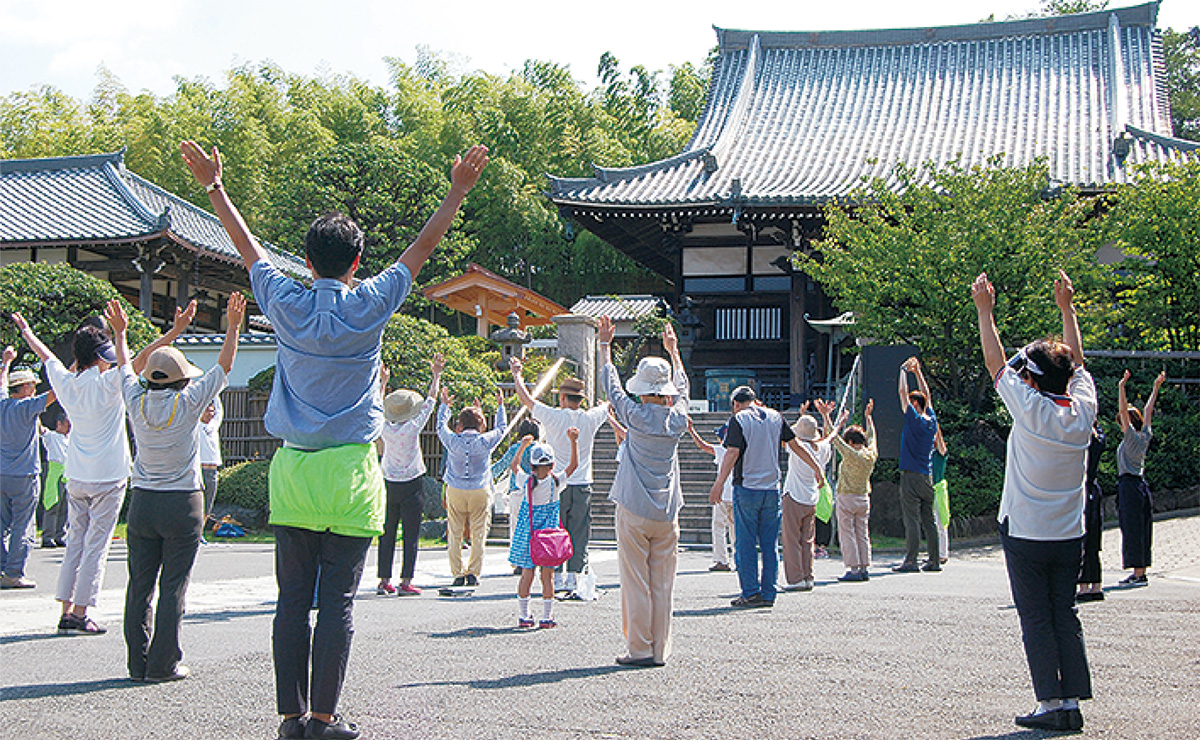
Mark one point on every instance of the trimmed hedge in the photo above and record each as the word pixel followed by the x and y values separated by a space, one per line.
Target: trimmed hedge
pixel 245 485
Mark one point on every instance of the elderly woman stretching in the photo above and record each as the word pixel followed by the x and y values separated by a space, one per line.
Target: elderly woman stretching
pixel 647 493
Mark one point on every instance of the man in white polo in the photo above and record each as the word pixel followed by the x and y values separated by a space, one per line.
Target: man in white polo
pixel 576 501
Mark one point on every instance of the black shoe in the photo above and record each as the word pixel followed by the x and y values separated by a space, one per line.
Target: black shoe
pixel 1089 596
pixel 932 566
pixel 1055 719
pixel 69 624
pixel 459 582
pixel 292 728
pixel 1074 718
pixel 339 729
pixel 719 568
pixel 181 672
pixel 1133 581
pixel 751 602
pixel 629 662
pixel 472 580
pixel 906 567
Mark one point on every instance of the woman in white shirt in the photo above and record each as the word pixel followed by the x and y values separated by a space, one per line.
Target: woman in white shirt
pixel 798 504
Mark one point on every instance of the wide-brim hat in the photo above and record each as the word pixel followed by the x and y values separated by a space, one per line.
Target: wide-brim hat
pixel 653 378
pixel 401 406
pixel 168 365
pixel 806 427
pixel 21 377
pixel 571 387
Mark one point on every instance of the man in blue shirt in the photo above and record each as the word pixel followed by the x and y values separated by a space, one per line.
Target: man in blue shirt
pixel 327 491
pixel 19 468
pixel 916 470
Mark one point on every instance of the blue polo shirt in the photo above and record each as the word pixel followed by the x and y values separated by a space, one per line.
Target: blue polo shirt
pixel 18 435
pixel 326 390
pixel 916 441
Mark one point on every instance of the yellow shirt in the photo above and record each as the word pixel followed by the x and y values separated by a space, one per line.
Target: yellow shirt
pixel 854 474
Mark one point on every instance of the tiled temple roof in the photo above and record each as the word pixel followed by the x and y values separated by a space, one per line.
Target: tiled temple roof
pixel 799 118
pixel 95 199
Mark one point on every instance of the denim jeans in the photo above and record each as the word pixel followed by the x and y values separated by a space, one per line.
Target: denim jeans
pixel 18 503
pixel 756 519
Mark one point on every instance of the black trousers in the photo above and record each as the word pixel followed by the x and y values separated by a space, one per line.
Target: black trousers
pixel 299 553
pixel 163 531
pixel 1042 577
pixel 1093 525
pixel 916 507
pixel 405 502
pixel 1135 514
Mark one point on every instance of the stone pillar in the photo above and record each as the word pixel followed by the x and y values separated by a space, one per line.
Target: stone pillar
pixel 577 342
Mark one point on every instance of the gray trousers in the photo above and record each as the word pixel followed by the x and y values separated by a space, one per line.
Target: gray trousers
pixel 575 510
pixel 208 477
pixel 163 535
pixel 916 505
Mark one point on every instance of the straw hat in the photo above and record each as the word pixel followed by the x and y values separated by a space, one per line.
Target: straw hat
pixel 21 377
pixel 167 365
pixel 402 405
pixel 653 378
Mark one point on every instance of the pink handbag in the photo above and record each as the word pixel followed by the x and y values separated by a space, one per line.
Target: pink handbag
pixel 548 548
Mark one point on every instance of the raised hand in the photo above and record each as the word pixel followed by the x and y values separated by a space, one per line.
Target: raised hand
pixel 206 170
pixel 438 363
pixel 384 376
pixel 10 354
pixel 235 308
pixel 1064 291
pixel 669 340
pixel 1124 378
pixel 1158 381
pixel 19 320
pixel 573 433
pixel 870 407
pixel 467 168
pixel 446 398
pixel 515 365
pixel 607 329
pixel 984 294
pixel 114 313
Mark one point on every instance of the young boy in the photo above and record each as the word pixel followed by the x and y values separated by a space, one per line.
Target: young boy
pixel 327 492
pixel 166 505
pixel 468 483
pixel 722 512
pixel 541 491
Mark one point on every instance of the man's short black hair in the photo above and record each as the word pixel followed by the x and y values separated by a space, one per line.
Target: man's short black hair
pixel 743 394
pixel 332 244
pixel 1056 362
pixel 87 345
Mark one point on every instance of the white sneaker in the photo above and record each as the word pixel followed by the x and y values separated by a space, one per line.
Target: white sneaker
pixel 571 582
pixel 558 582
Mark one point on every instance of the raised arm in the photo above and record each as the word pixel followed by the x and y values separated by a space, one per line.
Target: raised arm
pixel 869 422
pixel 207 171
pixel 1123 403
pixel 1148 411
pixel 902 389
pixel 939 442
pixel 921 384
pixel 235 311
pixel 984 296
pixel 573 435
pixel 183 318
pixel 114 313
pixel 436 366
pixel 516 366
pixel 515 464
pixel 704 446
pixel 825 408
pixel 1064 293
pixel 10 354
pixel 671 345
pixel 605 335
pixel 35 344
pixel 618 430
pixel 463 176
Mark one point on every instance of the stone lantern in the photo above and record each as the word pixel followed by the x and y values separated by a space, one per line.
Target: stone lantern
pixel 512 341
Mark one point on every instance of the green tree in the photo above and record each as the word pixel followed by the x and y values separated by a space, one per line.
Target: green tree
pixel 410 343
pixel 1181 57
pixel 1155 220
pixel 901 254
pixel 55 299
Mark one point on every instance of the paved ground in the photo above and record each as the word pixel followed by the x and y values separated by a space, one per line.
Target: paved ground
pixel 904 656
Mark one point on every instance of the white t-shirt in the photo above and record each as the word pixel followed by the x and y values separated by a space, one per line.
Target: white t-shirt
pixel 402 457
pixel 208 436
pixel 718 456
pixel 801 481
pixel 1047 453
pixel 555 423
pixel 545 490
pixel 56 446
pixel 98 450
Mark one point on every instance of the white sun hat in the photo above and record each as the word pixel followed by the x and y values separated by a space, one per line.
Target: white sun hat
pixel 653 378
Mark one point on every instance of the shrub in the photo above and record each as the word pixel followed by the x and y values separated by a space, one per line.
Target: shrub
pixel 245 485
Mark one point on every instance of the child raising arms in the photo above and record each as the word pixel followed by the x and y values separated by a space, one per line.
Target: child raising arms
pixel 542 487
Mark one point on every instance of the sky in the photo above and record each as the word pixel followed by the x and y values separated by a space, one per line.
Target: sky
pixel 148 43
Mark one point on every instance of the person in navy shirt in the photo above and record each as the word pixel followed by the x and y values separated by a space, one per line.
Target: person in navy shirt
pixel 916 470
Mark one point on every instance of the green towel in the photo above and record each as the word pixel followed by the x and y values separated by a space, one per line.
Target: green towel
pixel 941 501
pixel 54 474
pixel 339 489
pixel 824 501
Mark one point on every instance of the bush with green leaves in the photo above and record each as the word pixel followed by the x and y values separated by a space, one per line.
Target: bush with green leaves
pixel 410 343
pixel 245 485
pixel 55 299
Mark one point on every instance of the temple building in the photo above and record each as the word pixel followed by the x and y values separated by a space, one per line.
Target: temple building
pixel 157 249
pixel 795 121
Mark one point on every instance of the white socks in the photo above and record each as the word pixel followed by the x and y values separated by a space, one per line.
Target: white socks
pixel 1050 705
pixel 524 602
pixel 547 608
pixel 1071 703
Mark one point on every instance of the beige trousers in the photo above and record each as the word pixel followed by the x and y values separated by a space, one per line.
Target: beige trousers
pixel 854 534
pixel 463 508
pixel 646 554
pixel 797 532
